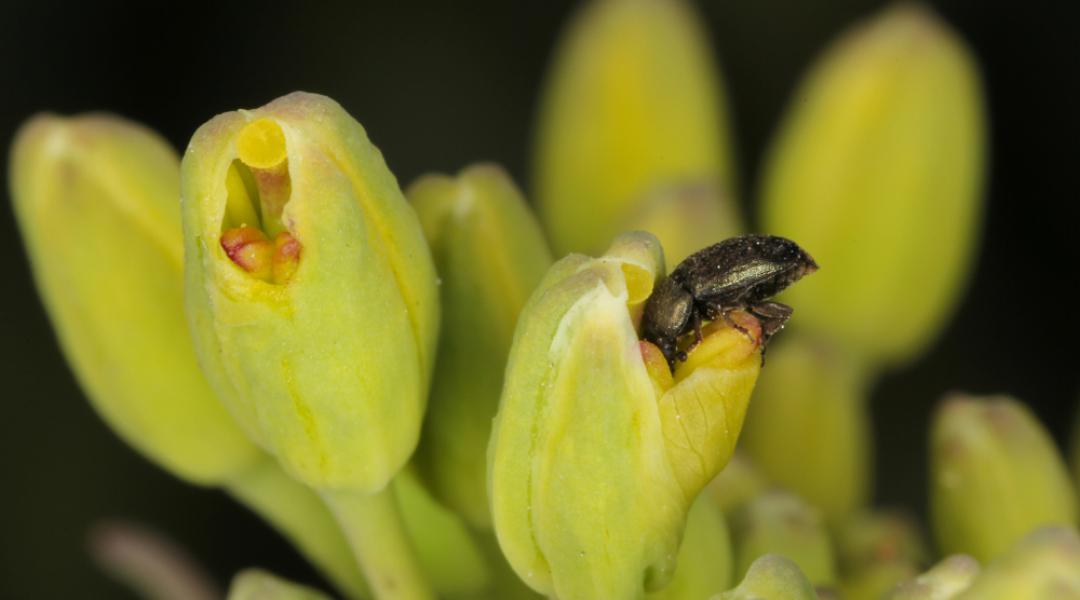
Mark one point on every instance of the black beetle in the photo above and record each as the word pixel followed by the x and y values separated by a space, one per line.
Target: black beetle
pixel 738 273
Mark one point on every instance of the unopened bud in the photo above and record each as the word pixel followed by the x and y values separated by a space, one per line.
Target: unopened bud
pixel 995 476
pixel 772 577
pixel 632 105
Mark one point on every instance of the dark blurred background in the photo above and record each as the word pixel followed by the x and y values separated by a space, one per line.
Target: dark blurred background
pixel 442 84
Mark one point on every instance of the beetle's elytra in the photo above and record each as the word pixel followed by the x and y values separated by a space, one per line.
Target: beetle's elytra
pixel 740 273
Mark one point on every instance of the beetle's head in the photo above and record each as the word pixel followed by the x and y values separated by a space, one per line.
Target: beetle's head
pixel 667 316
pixel 786 252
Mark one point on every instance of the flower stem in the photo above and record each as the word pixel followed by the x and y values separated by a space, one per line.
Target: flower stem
pixel 297 513
pixel 374 529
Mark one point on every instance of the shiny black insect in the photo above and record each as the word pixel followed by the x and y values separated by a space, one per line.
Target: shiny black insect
pixel 738 273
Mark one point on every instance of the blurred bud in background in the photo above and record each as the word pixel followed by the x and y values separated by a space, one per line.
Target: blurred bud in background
pixel 772 576
pixel 1044 564
pixel 632 105
pixel 96 198
pixel 737 484
pixel 778 522
pixel 490 254
pixel 339 411
pixel 1074 453
pixel 256 584
pixel 808 428
pixel 876 550
pixel 995 476
pixel 875 580
pixel 686 217
pixel 598 449
pixel 944 581
pixel 876 536
pixel 877 172
pixel 705 560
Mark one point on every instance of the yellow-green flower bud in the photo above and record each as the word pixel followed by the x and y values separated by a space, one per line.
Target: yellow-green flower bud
pixel 705 561
pixel 877 171
pixel 1074 453
pixel 1044 564
pixel 772 577
pixel 632 104
pixel 490 254
pixel 96 200
pixel 875 580
pixel 995 476
pixel 945 581
pixel 781 523
pixel 598 450
pixel 96 197
pixel 324 357
pixel 738 483
pixel 808 428
pixel 686 217
pixel 872 537
pixel 256 584
pixel 877 550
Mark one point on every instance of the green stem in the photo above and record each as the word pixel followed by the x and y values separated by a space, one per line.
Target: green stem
pixel 298 514
pixel 374 529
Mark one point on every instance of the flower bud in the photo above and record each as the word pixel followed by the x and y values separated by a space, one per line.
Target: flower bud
pixel 1074 450
pixel 96 197
pixel 490 254
pixel 808 429
pixel 325 361
pixel 877 550
pixel 704 556
pixel 995 476
pixel 875 580
pixel 880 536
pixel 877 171
pixel 256 584
pixel 781 523
pixel 686 217
pixel 96 200
pixel 738 483
pixel 945 581
pixel 632 104
pixel 772 576
pixel 598 449
pixel 1044 564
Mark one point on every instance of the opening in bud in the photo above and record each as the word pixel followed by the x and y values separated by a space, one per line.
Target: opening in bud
pixel 258 187
pixel 722 343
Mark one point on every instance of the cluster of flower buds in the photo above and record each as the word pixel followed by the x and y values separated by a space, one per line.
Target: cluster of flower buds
pixel 429 402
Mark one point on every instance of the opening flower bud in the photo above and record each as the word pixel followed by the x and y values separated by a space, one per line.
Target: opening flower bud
pixel 598 450
pixel 296 232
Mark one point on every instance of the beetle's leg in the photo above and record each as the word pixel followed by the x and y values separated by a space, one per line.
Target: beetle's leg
pixel 695 322
pixel 772 316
